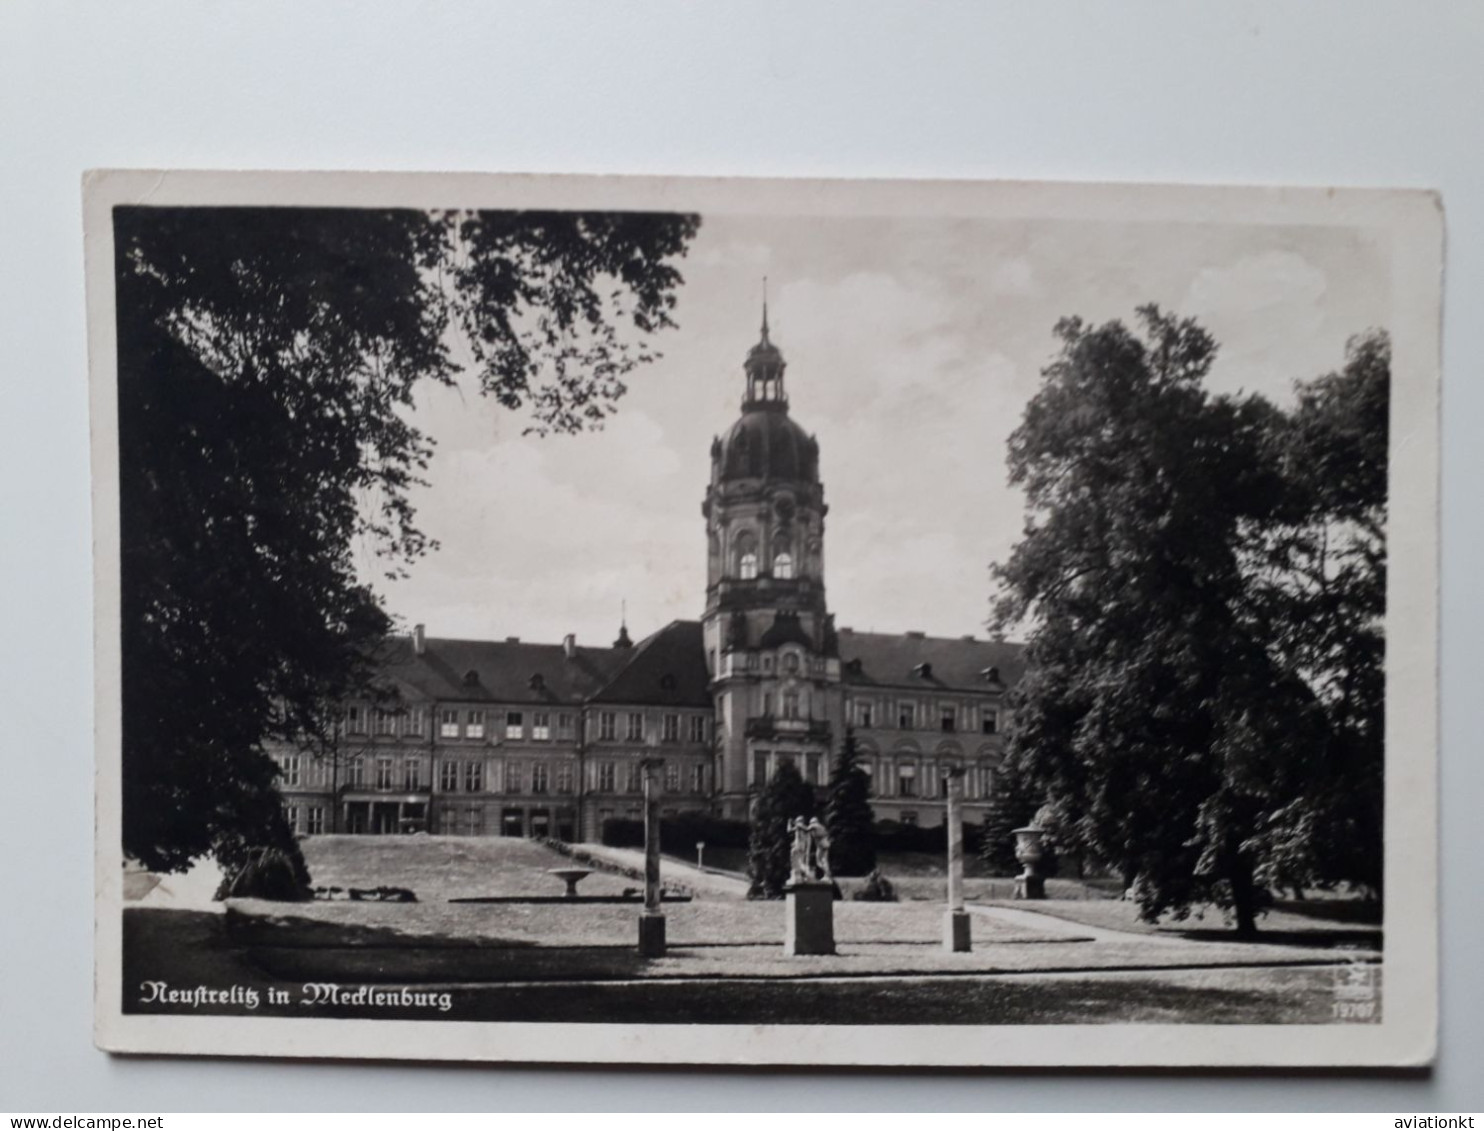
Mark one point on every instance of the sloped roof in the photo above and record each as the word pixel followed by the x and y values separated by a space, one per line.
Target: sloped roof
pixel 503 670
pixel 666 669
pixel 894 660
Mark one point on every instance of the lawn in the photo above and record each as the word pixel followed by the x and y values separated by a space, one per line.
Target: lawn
pixel 1315 922
pixel 440 868
pixel 689 986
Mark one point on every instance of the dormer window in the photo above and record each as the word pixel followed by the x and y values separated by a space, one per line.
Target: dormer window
pixel 471 678
pixel 667 681
pixel 991 675
pixel 923 671
pixel 537 682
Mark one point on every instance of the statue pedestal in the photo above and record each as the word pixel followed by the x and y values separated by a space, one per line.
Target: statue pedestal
pixel 1028 886
pixel 810 925
pixel 956 931
pixel 651 935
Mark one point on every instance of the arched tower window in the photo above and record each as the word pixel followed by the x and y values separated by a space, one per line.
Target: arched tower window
pixel 747 565
pixel 783 565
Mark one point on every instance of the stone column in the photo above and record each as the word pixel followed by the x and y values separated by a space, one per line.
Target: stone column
pixel 956 920
pixel 652 919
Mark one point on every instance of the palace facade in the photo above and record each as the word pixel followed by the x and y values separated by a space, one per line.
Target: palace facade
pixel 509 738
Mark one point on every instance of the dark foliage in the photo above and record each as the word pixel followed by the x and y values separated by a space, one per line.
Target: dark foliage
pixel 1012 804
pixel 267 873
pixel 876 889
pixel 266 360
pixel 1159 718
pixel 848 815
pixel 785 797
pixel 678 834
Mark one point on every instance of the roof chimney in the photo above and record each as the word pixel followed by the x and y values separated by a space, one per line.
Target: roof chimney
pixel 512 640
pixel 419 640
pixel 569 644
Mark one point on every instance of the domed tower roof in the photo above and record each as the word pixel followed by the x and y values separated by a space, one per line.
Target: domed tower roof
pixel 766 443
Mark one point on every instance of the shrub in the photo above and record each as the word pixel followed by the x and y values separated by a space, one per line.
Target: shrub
pixel 876 889
pixel 268 873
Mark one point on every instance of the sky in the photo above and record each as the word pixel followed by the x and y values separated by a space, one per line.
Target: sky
pixel 912 347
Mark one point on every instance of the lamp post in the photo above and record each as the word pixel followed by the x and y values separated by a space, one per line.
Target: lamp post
pixel 956 919
pixel 700 856
pixel 652 919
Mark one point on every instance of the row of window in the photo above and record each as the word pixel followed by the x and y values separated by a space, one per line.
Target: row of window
pixel 903 780
pixel 783 565
pixel 950 718
pixel 538 726
pixel 477 776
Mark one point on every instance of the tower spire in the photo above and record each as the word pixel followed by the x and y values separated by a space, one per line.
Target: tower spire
pixel 765 308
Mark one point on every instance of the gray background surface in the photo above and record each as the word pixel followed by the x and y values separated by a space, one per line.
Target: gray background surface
pixel 1384 93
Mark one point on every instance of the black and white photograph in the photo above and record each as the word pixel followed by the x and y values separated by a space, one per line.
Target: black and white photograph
pixel 764 622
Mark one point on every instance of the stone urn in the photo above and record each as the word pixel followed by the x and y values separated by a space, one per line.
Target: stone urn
pixel 1030 848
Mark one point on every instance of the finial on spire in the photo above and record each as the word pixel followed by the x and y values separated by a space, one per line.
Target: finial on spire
pixel 765 308
pixel 623 640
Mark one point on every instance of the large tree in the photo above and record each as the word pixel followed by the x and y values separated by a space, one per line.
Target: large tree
pixel 267 363
pixel 848 815
pixel 1318 582
pixel 1154 717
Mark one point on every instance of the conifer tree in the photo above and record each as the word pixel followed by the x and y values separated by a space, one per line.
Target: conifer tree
pixel 785 797
pixel 848 815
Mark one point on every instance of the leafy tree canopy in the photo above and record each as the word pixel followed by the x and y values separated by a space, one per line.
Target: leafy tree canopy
pixel 268 359
pixel 1164 716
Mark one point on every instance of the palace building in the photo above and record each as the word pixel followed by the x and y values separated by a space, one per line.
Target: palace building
pixel 509 738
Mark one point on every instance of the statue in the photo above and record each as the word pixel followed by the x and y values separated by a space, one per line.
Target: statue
pixel 820 843
pixel 799 870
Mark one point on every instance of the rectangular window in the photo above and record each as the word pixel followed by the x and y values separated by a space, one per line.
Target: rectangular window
pixel 698 778
pixel 448 725
pixel 513 783
pixel 383 773
pixel 541 726
pixel 671 732
pixel 412 722
pixel 606 723
pixel 790 705
pixel 412 775
pixel 291 815
pixel 948 719
pixel 767 703
pixel 607 777
pixel 564 777
pixel 991 720
pixel 315 824
pixel 906 715
pixel 355 720
pixel 564 727
pixel 515 728
pixel 474 725
pixel 386 721
pixel 760 767
pixel 289 764
pixel 672 777
pixel 635 783
pixel 355 773
pixel 473 820
pixel 698 728
pixel 812 764
pixel 907 780
pixel 448 777
pixel 473 777
pixel 539 778
pixel 636 727
pixel 863 714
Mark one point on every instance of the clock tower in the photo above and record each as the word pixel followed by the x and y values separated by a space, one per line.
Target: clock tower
pixel 771 651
